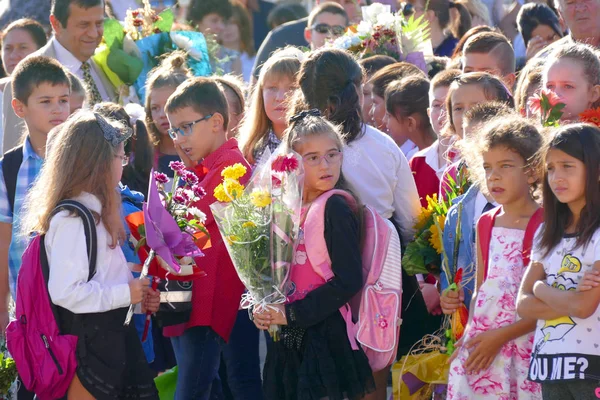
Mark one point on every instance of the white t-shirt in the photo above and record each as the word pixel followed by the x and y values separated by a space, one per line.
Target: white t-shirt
pixel 567 348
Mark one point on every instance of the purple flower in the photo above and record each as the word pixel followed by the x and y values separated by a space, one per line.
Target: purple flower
pixel 160 177
pixel 179 198
pixel 198 191
pixel 183 193
pixel 189 177
pixel 177 166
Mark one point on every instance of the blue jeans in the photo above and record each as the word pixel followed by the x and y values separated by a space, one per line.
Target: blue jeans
pixel 241 361
pixel 198 354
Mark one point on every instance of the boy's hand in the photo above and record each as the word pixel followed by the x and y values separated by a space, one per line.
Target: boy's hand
pixel 431 297
pixel 138 289
pixel 590 280
pixel 483 350
pixel 152 301
pixel 451 300
pixel 189 163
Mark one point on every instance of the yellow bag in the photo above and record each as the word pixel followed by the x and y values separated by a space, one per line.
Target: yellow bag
pixel 431 368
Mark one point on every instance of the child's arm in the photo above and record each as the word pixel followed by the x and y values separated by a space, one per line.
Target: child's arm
pixel 569 302
pixel 406 201
pixel 528 304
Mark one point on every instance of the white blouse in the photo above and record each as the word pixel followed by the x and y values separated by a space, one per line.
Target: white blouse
pixel 378 171
pixel 67 256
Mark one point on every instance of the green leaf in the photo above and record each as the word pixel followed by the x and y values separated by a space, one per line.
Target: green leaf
pixel 113 33
pixel 165 23
pixel 142 230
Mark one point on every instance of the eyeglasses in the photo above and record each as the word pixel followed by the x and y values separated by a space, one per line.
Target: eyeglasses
pixel 124 159
pixel 332 157
pixel 336 30
pixel 186 130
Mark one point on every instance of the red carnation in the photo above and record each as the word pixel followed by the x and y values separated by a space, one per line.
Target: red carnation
pixel 275 182
pixel 285 164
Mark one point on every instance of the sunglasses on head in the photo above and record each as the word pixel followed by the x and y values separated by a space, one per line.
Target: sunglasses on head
pixel 336 30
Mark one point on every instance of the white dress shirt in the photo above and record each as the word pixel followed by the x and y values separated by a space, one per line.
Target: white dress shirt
pixel 379 173
pixel 67 256
pixel 432 158
pixel 70 62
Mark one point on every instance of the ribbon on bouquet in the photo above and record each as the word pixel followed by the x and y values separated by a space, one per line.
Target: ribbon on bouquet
pixel 249 302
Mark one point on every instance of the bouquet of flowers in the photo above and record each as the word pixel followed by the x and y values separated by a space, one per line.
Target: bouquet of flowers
pixel 130 50
pixel 547 105
pixel 386 33
pixel 260 225
pixel 8 373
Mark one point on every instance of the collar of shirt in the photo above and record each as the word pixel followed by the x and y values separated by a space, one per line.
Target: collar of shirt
pixel 29 152
pixel 66 58
pixel 90 201
pixel 211 159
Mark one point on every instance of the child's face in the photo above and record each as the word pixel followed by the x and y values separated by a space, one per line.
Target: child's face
pixel 378 112
pixel 463 99
pixel 201 137
pixel 481 62
pixel 212 23
pixel 47 107
pixel 235 114
pixel 437 108
pixel 276 93
pixel 76 101
pixel 566 78
pixel 117 165
pixel 367 105
pixel 158 99
pixel 231 32
pixel 16 45
pixel 566 177
pixel 326 27
pixel 322 161
pixel 506 177
pixel 398 129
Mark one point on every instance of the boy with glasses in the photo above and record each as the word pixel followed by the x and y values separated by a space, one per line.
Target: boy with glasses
pixel 326 22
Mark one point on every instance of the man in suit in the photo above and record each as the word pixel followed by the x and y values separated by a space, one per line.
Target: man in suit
pixel 78 26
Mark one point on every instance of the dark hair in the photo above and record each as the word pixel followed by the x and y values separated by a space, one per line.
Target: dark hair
pixel 529 77
pixel 32 72
pixel 203 95
pixel 407 97
pixel 582 142
pixel 486 112
pixel 233 85
pixel 201 8
pixel 495 45
pixel 34 28
pixel 76 85
pixel 458 50
pixel 330 80
pixel 136 175
pixel 61 8
pixel 437 65
pixel 445 78
pixel 391 73
pixel 243 21
pixel 328 7
pixel 283 13
pixel 533 15
pixel 441 9
pixel 375 63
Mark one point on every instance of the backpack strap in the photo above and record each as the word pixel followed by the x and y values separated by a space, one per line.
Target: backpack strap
pixel 532 226
pixel 484 235
pixel 11 162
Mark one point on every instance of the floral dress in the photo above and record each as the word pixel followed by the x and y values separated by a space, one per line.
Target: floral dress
pixel 495 307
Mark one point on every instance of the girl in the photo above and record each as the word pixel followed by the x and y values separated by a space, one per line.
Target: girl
pixel 539 25
pixel 233 88
pixel 162 82
pixel 480 14
pixel 84 163
pixel 572 72
pixel 567 247
pixel 494 357
pixel 78 98
pixel 237 36
pixel 265 120
pixel 314 359
pixel 528 84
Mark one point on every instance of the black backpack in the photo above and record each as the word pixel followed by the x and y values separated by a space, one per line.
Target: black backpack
pixel 11 162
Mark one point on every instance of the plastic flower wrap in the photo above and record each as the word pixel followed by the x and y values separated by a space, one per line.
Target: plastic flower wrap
pixel 260 224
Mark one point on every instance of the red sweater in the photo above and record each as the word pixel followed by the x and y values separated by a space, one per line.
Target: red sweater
pixel 215 297
pixel 426 179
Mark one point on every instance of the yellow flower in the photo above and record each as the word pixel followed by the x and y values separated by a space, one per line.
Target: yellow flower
pixel 231 239
pixel 249 224
pixel 220 194
pixel 422 218
pixel 431 201
pixel 235 171
pixel 260 198
pixel 229 190
pixel 436 239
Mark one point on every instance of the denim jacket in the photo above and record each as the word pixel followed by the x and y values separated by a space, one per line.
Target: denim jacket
pixel 466 258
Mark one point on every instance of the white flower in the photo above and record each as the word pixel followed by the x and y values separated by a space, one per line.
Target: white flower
pixel 186 44
pixel 196 213
pixel 386 20
pixel 364 28
pixel 179 212
pixel 371 12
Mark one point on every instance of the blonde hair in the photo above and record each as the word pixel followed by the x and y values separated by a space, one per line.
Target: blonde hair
pixel 171 72
pixel 255 125
pixel 78 159
pixel 477 9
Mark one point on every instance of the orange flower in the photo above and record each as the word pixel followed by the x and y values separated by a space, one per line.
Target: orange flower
pixel 591 116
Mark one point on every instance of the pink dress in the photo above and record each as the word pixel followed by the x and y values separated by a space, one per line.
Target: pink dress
pixel 506 378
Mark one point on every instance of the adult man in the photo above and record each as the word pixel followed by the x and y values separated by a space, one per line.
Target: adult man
pixel 78 26
pixel 583 20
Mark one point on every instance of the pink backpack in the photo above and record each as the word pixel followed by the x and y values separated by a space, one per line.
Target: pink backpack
pixel 377 307
pixel 44 357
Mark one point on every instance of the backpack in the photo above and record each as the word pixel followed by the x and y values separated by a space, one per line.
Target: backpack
pixel 44 354
pixel 484 234
pixel 378 305
pixel 11 162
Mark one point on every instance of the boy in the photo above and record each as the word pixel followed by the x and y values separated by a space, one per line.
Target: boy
pixel 326 22
pixel 210 16
pixel 41 92
pixel 198 115
pixel 490 52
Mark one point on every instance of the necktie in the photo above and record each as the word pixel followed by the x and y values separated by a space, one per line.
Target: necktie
pixel 488 207
pixel 95 97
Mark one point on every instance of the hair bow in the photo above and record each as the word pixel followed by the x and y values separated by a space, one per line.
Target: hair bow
pixel 112 134
pixel 303 114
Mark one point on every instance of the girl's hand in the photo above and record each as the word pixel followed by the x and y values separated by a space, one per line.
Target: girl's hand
pixel 590 280
pixel 262 320
pixel 189 163
pixel 278 314
pixel 483 350
pixel 431 297
pixel 457 347
pixel 152 301
pixel 138 289
pixel 534 46
pixel 451 300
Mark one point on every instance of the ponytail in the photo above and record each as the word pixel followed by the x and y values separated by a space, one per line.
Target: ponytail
pixel 461 25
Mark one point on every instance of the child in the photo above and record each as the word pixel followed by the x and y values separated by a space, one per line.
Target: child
pixel 266 120
pixel 556 289
pixel 325 23
pixel 314 359
pixel 438 93
pixel 528 84
pixel 79 95
pixel 237 36
pixel 490 52
pixel 85 161
pixel 198 114
pixel 572 72
pixel 162 82
pixel 494 357
pixel 209 16
pixel 40 87
pixel 233 89
pixel 371 65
